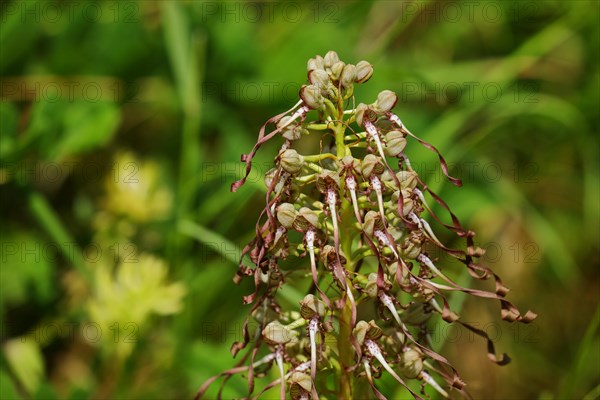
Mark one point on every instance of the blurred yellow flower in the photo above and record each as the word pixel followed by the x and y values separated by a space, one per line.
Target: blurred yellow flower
pixel 123 302
pixel 134 190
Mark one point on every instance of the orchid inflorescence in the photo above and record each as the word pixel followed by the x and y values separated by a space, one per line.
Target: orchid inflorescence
pixel 362 237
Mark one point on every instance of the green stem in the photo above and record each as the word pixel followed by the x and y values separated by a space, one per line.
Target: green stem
pixel 319 157
pixel 296 324
pixel 340 144
pixel 344 344
pixel 317 127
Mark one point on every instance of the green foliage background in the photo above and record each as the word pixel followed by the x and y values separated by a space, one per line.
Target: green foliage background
pixel 120 236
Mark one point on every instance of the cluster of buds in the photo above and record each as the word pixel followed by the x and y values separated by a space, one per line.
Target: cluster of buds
pixel 354 221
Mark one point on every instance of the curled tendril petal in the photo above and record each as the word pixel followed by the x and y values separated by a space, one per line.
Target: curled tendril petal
pixel 313 328
pixel 376 184
pixel 279 359
pixel 247 158
pixel 351 186
pixel 386 242
pixel 309 238
pixel 387 302
pixel 394 118
pixel 374 134
pixel 236 370
pixel 374 351
pixel 367 367
pixel 428 379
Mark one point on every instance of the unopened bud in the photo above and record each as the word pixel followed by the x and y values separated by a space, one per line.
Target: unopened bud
pixel 348 75
pixel 336 70
pixel 364 71
pixel 291 161
pixel 395 143
pixel 316 63
pixel 331 58
pixel 276 333
pixel 386 100
pixel 311 96
pixel 286 215
pixel 319 78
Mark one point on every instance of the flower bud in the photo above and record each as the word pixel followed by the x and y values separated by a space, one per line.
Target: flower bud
pixel 408 179
pixel 300 385
pixel 291 161
pixel 306 219
pixel 348 75
pixel 276 333
pixel 395 143
pixel 331 58
pixel 286 215
pixel 411 363
pixel 372 223
pixel 386 100
pixel 319 78
pixel 364 71
pixel 311 96
pixel 311 307
pixel 336 70
pixel 316 63
pixel 372 165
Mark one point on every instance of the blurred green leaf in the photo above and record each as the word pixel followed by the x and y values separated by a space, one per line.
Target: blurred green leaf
pixel 59 129
pixel 9 119
pixel 7 388
pixel 26 269
pixel 26 362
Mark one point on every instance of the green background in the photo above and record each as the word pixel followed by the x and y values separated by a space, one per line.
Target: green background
pixel 121 127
